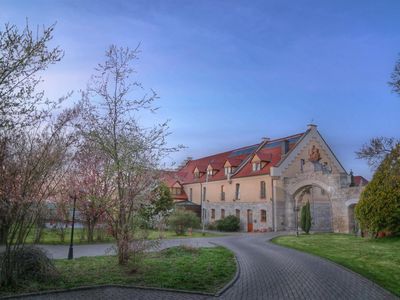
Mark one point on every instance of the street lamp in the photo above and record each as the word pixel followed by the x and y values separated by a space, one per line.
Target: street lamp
pixel 71 245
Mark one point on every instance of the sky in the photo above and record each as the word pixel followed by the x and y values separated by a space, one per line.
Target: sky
pixel 231 72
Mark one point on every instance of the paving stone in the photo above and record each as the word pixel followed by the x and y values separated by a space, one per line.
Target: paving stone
pixel 267 271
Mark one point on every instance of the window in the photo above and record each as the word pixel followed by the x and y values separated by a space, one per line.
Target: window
pixel 238 213
pixel 222 193
pixel 176 191
pixel 191 195
pixel 228 170
pixel 222 213
pixel 302 162
pixel 262 190
pixel 237 191
pixel 263 216
pixel 196 174
pixel 256 166
pixel 213 213
pixel 204 193
pixel 210 172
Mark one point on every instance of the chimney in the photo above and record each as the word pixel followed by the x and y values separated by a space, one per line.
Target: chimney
pixel 184 163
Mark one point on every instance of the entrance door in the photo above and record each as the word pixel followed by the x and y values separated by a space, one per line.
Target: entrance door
pixel 249 220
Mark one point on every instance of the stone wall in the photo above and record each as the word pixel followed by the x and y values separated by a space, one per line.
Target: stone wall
pixel 230 209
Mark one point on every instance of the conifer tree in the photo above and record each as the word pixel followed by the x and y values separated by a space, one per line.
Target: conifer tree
pixel 379 206
pixel 305 221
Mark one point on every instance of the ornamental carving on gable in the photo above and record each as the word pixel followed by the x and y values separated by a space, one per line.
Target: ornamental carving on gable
pixel 314 155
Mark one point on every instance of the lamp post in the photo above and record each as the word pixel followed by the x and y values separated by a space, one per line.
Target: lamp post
pixel 71 245
pixel 204 211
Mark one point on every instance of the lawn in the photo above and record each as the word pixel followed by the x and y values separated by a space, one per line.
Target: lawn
pixel 184 268
pixel 376 259
pixel 50 236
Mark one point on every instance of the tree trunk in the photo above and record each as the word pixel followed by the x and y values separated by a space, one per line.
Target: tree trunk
pixel 4 234
pixel 123 248
pixel 90 228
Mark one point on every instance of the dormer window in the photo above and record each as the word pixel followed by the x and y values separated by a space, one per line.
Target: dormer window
pixel 210 172
pixel 176 191
pixel 228 170
pixel 196 173
pixel 256 166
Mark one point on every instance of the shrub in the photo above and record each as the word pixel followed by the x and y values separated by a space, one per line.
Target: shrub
pixel 29 263
pixel 212 226
pixel 180 220
pixel 379 205
pixel 230 223
pixel 305 220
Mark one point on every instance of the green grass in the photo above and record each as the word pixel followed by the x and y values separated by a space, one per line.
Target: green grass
pixel 376 259
pixel 50 237
pixel 204 269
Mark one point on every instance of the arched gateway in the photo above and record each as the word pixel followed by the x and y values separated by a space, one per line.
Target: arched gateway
pixel 266 184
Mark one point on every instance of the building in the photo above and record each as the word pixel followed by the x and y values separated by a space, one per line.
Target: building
pixel 266 184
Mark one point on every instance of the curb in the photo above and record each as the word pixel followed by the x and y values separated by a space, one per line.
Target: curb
pixel 84 288
pixel 235 277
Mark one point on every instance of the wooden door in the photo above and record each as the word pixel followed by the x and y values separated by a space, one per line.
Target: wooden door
pixel 249 220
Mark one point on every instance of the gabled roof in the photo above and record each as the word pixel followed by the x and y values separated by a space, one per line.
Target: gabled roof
pixel 311 133
pixel 268 151
pixel 234 162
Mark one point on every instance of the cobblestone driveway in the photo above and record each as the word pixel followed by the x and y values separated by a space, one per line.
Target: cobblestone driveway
pixel 267 271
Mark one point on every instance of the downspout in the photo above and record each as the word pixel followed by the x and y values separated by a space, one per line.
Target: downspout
pixel 273 207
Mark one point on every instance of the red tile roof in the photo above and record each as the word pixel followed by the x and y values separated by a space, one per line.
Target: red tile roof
pixel 269 151
pixel 359 180
pixel 180 197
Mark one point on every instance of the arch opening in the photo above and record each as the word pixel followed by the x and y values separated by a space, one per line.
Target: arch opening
pixel 320 207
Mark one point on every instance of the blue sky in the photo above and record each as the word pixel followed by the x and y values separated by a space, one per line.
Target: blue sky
pixel 231 72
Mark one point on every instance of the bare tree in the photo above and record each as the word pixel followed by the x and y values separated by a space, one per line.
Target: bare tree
pixel 35 161
pixel 22 56
pixel 376 150
pixel 90 172
pixel 35 138
pixel 135 152
pixel 395 78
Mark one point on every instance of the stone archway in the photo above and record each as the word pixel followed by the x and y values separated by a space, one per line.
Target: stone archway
pixel 320 206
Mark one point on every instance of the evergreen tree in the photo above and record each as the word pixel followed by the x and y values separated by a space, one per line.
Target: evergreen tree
pixel 379 206
pixel 305 220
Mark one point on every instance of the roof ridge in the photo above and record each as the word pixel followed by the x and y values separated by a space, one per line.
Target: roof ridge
pixel 244 147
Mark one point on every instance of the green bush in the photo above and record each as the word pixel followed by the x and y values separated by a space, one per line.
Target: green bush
pixel 29 263
pixel 180 220
pixel 212 226
pixel 379 205
pixel 230 223
pixel 305 220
